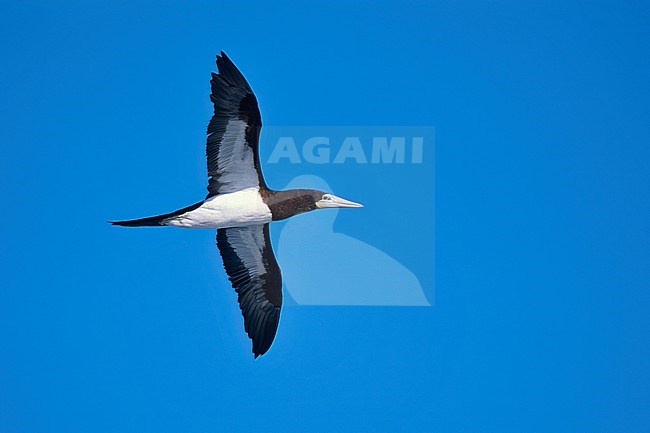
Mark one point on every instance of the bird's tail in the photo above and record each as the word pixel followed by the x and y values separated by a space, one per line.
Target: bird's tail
pixel 155 221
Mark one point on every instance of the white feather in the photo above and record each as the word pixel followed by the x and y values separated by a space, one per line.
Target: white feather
pixel 237 209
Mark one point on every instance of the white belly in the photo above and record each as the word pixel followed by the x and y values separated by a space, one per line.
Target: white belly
pixel 238 209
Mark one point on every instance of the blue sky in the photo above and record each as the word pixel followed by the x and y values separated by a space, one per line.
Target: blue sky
pixel 542 246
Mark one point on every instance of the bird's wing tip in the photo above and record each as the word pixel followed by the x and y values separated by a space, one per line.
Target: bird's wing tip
pixel 222 56
pixel 223 62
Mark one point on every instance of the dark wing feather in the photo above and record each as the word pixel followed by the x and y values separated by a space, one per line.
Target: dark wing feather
pixel 233 132
pixel 256 277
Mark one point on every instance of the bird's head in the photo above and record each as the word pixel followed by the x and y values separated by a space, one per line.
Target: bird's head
pixel 323 200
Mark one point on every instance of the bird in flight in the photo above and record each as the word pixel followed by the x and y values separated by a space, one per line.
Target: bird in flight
pixel 240 205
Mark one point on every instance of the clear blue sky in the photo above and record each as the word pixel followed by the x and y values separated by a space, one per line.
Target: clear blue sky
pixel 542 288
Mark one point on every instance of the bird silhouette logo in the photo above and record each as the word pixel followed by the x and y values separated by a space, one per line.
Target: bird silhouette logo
pixel 357 272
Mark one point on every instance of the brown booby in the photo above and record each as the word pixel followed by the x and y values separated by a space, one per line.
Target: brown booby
pixel 240 205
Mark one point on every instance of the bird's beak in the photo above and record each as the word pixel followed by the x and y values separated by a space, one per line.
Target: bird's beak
pixel 335 201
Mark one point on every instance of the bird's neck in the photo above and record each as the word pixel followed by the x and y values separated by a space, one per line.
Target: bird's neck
pixel 285 204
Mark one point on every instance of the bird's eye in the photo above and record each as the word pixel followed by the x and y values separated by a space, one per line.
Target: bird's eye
pixel 327 197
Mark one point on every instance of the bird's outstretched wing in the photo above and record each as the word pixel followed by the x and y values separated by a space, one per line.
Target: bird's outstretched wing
pixel 233 132
pixel 256 277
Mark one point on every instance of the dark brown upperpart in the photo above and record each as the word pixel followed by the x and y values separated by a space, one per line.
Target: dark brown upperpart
pixel 285 204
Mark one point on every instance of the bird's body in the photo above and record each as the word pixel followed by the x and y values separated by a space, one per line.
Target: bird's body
pixel 240 205
pixel 236 209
